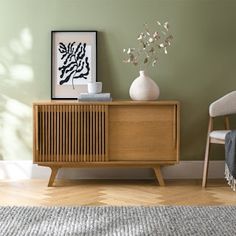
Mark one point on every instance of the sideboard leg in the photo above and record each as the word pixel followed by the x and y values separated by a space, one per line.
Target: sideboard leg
pixel 54 171
pixel 159 177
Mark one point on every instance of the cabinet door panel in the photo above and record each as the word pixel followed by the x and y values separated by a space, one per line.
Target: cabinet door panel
pixel 141 133
pixel 70 133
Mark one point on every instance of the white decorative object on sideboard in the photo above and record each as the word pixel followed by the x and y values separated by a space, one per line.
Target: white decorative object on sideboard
pixel 144 88
pixel 95 87
pixel 150 44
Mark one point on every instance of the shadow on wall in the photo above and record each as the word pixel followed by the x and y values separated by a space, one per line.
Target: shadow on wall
pixel 16 79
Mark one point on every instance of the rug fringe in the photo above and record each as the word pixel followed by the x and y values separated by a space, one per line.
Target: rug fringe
pixel 231 180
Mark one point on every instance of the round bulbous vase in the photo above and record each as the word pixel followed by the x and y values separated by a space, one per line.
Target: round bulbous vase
pixel 144 88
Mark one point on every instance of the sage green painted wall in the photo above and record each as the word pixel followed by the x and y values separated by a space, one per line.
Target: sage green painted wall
pixel 200 66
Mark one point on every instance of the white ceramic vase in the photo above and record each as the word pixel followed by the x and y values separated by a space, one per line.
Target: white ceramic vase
pixel 144 88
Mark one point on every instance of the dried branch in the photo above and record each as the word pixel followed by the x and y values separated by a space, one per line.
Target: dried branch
pixel 150 44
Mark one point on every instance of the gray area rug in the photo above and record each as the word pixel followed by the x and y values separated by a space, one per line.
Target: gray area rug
pixel 120 221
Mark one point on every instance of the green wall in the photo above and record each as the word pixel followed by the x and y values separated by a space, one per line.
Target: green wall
pixel 200 66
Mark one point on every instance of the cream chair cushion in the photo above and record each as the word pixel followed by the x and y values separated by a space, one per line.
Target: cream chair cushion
pixel 225 105
pixel 219 134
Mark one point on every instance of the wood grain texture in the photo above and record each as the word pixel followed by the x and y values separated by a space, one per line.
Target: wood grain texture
pixel 114 192
pixel 69 132
pixel 119 133
pixel 209 143
pixel 158 174
pixel 53 175
pixel 143 132
pixel 114 102
pixel 207 150
pixel 226 120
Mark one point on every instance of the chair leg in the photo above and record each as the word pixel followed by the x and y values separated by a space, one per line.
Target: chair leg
pixel 206 163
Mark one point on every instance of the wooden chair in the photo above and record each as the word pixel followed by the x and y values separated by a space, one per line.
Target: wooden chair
pixel 224 106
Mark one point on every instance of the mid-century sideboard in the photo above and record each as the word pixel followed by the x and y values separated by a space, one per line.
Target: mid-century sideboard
pixel 106 134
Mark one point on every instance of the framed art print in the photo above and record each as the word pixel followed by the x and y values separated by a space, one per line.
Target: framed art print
pixel 73 62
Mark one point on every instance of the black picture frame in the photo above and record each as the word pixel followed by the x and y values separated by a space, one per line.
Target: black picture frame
pixel 73 62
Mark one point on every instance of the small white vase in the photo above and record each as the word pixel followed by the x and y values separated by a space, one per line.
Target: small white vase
pixel 144 88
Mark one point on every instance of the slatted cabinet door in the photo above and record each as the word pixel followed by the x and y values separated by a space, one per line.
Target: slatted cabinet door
pixel 70 133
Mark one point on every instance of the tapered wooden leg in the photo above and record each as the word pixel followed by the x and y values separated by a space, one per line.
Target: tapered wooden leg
pixel 158 174
pixel 54 171
pixel 206 164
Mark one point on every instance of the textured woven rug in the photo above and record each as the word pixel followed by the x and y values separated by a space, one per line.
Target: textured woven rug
pixel 120 221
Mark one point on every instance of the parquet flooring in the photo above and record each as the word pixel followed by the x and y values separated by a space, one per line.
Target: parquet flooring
pixel 113 192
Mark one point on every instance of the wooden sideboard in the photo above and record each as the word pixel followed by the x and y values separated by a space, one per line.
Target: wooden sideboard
pixel 106 134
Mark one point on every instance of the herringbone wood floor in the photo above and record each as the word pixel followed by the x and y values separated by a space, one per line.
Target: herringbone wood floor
pixel 112 192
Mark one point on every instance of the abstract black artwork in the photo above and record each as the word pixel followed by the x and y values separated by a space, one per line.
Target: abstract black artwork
pixel 73 63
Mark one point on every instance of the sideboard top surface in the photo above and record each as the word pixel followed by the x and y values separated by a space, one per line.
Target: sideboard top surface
pixel 114 102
